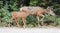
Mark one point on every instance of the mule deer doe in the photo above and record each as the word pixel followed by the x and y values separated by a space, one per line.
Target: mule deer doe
pixel 38 11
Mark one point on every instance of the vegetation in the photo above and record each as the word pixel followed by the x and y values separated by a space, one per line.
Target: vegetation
pixel 8 6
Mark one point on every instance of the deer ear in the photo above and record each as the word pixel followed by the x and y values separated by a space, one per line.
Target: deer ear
pixel 48 8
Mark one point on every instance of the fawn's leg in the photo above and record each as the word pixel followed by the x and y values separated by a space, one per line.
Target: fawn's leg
pixel 24 22
pixel 17 22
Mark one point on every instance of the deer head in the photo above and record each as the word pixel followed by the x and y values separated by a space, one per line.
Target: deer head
pixel 50 11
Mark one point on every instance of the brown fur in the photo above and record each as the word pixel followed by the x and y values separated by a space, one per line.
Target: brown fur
pixel 20 15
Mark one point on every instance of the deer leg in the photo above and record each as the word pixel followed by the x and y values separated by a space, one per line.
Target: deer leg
pixel 11 19
pixel 17 22
pixel 42 19
pixel 38 21
pixel 24 22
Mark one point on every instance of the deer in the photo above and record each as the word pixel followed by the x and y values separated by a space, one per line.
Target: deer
pixel 20 15
pixel 38 11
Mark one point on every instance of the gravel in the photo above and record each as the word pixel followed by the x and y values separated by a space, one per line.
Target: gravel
pixel 28 30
